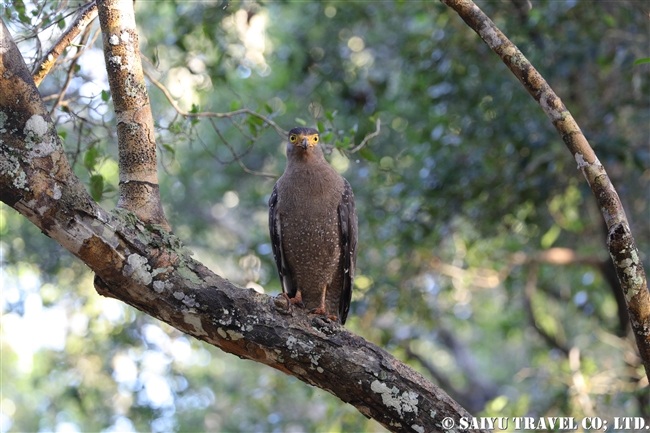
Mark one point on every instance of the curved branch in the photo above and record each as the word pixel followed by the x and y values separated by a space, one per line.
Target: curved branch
pixel 87 14
pixel 209 114
pixel 529 291
pixel 71 69
pixel 368 137
pixel 146 267
pixel 237 157
pixel 620 242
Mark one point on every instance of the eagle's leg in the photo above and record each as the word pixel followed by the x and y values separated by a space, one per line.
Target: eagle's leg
pixel 297 300
pixel 321 310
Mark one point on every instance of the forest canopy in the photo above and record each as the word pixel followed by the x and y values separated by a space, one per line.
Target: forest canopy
pixel 482 259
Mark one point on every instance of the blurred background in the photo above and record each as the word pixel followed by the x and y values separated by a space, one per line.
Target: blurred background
pixel 482 257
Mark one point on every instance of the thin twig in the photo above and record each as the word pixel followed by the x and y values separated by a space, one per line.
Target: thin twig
pixel 529 290
pixel 71 70
pixel 210 114
pixel 237 158
pixel 87 14
pixel 368 137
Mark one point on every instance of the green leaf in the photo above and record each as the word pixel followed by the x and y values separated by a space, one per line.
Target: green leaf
pixel 551 236
pixel 62 135
pixel 61 24
pixel 105 96
pixel 77 68
pixel 330 115
pixel 300 121
pixel 640 61
pixel 255 121
pixel 176 127
pixel 91 158
pixel 97 186
pixel 235 105
pixel 328 137
pixel 169 149
pixel 609 20
pixel 366 153
pixel 268 108
pixel 321 127
pixel 195 108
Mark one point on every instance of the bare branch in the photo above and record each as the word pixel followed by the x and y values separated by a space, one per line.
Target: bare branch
pixel 237 157
pixel 368 137
pixel 529 291
pixel 71 68
pixel 620 242
pixel 87 14
pixel 478 390
pixel 230 115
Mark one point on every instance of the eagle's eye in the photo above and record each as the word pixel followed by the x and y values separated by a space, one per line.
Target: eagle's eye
pixel 292 138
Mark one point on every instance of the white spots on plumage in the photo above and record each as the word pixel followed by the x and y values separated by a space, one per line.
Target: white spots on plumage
pixel 308 207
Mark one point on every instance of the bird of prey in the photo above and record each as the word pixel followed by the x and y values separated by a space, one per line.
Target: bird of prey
pixel 313 227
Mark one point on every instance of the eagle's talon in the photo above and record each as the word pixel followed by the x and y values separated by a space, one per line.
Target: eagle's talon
pixel 282 304
pixel 322 312
pixel 293 301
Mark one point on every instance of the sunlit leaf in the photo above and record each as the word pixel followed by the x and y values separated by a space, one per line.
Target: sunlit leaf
pixel 366 153
pixel 91 157
pixel 97 186
pixel 169 148
pixel 235 105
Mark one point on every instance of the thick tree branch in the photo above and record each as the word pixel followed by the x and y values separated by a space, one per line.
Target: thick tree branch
pixel 87 14
pixel 147 267
pixel 620 242
pixel 139 189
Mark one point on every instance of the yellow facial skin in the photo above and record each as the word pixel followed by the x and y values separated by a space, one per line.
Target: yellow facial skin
pixel 304 140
